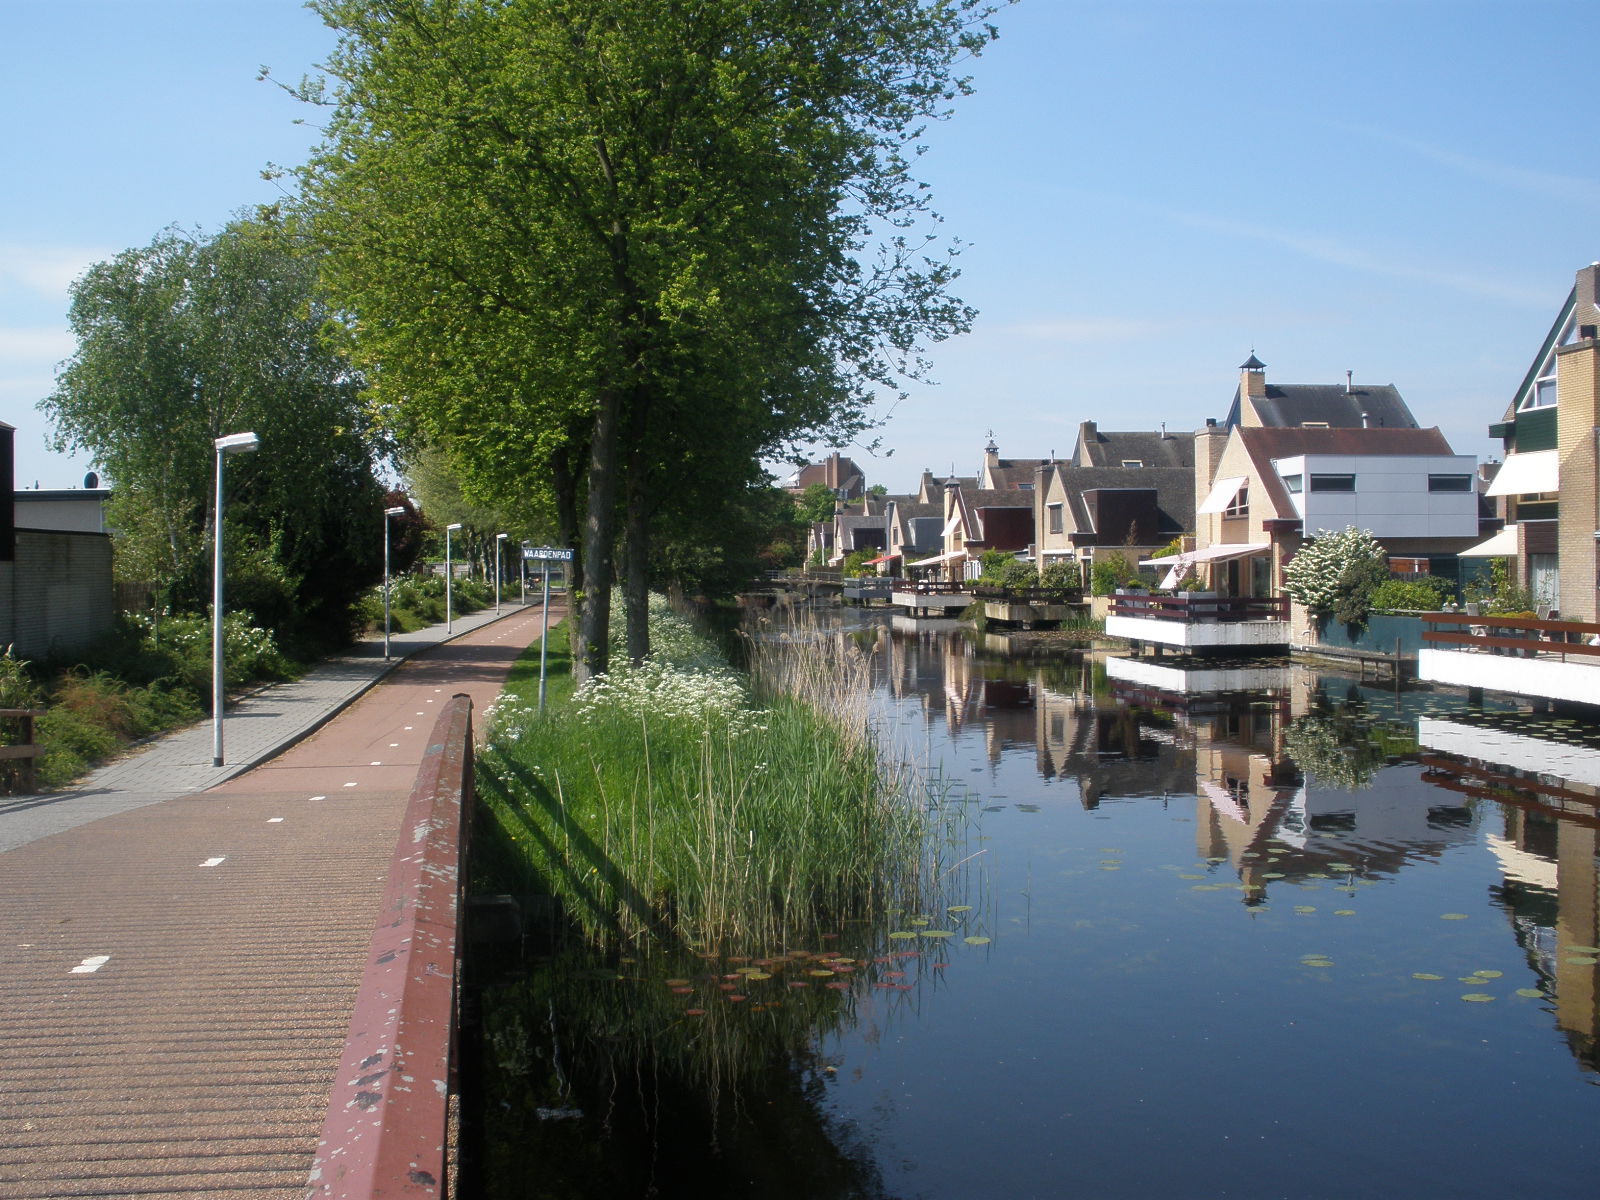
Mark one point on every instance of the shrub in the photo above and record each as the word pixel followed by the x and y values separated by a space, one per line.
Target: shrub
pixel 1424 594
pixel 1335 574
pixel 1062 575
pixel 1501 593
pixel 1112 572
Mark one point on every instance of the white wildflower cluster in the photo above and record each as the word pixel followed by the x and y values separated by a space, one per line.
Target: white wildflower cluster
pixel 669 692
pixel 673 638
pixel 507 718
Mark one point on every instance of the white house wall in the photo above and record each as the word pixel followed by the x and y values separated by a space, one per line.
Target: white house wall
pixel 1391 496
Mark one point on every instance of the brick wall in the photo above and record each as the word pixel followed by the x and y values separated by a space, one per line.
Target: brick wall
pixel 56 596
pixel 1578 406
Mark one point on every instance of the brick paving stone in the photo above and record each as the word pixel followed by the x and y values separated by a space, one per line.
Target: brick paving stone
pixel 196 1059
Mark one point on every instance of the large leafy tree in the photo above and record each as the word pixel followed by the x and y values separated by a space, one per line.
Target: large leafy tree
pixel 193 337
pixel 578 235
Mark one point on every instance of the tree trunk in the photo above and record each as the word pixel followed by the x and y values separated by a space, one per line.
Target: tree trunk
pixel 599 528
pixel 636 562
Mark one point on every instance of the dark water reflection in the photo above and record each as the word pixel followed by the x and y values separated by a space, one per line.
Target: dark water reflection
pixel 1310 937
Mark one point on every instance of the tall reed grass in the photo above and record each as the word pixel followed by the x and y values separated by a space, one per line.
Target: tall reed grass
pixel 724 812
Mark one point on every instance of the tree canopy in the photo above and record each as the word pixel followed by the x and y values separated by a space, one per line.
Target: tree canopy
pixel 585 242
pixel 193 337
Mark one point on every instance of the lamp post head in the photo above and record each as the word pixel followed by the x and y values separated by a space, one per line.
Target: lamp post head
pixel 500 537
pixel 393 512
pixel 237 443
pixel 455 525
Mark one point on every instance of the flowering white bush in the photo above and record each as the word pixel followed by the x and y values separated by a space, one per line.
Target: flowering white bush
pixel 1334 573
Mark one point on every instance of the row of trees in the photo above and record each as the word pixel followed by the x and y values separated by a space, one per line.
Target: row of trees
pixel 582 266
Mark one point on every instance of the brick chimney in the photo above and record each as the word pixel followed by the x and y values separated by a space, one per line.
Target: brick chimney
pixel 1252 386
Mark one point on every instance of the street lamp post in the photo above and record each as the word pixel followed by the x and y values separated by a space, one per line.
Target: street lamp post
pixel 499 540
pixel 233 443
pixel 387 513
pixel 449 579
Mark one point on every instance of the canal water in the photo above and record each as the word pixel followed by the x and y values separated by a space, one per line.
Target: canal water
pixel 1208 929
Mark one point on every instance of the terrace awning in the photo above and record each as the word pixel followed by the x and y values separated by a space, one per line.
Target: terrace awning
pixel 1525 474
pixel 1178 564
pixel 947 556
pixel 882 558
pixel 1501 545
pixel 1222 495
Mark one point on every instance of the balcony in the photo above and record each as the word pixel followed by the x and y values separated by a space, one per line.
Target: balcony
pixel 1521 656
pixel 1029 606
pixel 1201 621
pixel 930 595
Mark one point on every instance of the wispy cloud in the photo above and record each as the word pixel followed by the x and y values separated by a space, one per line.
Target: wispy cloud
pixel 1082 330
pixel 1331 250
pixel 47 270
pixel 1573 189
pixel 31 347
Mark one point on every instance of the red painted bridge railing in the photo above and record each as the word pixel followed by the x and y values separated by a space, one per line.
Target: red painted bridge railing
pixel 386 1131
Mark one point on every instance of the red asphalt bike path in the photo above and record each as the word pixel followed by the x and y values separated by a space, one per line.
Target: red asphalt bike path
pixel 177 980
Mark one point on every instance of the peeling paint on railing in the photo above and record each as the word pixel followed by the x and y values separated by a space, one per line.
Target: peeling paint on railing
pixel 386 1131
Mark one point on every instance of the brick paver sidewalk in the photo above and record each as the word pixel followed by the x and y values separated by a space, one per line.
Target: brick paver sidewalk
pixel 178 966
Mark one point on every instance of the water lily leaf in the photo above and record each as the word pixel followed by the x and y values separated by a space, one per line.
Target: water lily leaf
pixel 1272 875
pixel 1109 867
pixel 1583 949
pixel 1478 997
pixel 1344 912
pixel 920 921
pixel 758 975
pixel 902 934
pixel 976 940
pixel 820 974
pixel 959 908
pixel 1305 908
pixel 1576 960
pixel 1191 876
pixel 1425 975
pixel 1488 974
pixel 938 933
pixel 1452 916
pixel 1530 993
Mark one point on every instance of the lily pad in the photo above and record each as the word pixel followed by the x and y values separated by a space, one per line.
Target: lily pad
pixel 1429 975
pixel 1477 997
pixel 902 934
pixel 1191 876
pixel 1452 916
pixel 938 933
pixel 959 908
pixel 1583 949
pixel 976 940
pixel 1344 912
pixel 1488 974
pixel 1305 908
pixel 1530 993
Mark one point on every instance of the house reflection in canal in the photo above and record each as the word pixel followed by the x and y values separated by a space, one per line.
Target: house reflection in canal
pixel 1545 778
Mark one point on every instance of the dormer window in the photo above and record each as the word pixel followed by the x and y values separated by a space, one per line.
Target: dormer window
pixel 1132 462
pixel 1313 424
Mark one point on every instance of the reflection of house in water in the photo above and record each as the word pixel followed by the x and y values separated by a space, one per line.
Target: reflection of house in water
pixel 1547 785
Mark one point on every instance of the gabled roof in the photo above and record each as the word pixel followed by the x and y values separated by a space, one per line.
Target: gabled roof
pixel 1173 486
pixel 1149 447
pixel 1289 405
pixel 1546 348
pixel 1013 474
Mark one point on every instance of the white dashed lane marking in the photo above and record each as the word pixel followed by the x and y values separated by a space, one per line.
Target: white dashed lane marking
pixel 92 964
pixel 274 820
pixel 211 862
pixel 319 797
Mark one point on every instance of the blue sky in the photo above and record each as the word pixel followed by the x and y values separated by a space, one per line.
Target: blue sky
pixel 1150 191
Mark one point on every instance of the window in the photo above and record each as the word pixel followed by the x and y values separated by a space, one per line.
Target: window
pixel 1449 483
pixel 1239 506
pixel 1294 483
pixel 1313 424
pixel 1132 462
pixel 1055 518
pixel 1333 483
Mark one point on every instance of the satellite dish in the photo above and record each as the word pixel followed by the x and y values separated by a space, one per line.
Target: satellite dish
pixel 91 480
